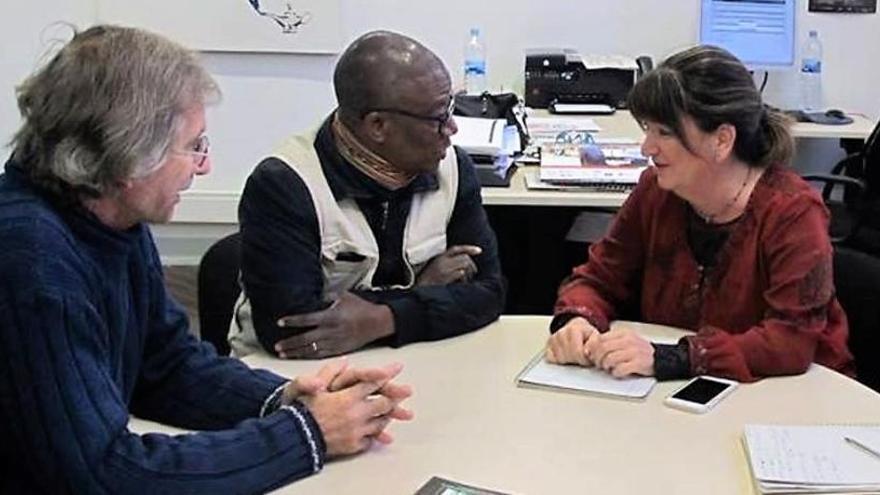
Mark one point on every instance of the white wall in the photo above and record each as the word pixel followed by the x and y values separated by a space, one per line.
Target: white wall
pixel 269 96
pixel 27 29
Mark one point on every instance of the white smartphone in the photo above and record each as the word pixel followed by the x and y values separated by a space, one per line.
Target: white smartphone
pixel 700 394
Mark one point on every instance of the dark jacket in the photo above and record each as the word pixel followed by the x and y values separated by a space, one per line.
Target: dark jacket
pixel 281 249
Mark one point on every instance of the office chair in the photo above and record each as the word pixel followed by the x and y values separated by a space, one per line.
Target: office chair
pixel 218 289
pixel 844 208
pixel 857 280
pixel 855 216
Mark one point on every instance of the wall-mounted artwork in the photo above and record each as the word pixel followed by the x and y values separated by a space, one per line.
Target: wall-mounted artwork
pixel 844 6
pixel 299 26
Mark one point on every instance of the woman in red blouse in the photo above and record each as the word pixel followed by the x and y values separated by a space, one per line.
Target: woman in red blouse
pixel 719 237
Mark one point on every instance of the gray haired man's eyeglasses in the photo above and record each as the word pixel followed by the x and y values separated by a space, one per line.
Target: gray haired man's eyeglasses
pixel 199 151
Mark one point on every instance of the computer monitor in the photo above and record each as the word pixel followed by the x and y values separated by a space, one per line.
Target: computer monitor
pixel 759 32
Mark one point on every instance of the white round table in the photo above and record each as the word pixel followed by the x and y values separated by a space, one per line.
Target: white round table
pixel 475 426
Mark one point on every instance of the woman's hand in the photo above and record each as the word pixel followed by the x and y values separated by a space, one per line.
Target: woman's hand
pixel 566 346
pixel 621 352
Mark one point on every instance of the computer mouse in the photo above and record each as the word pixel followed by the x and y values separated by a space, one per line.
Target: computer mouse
pixel 835 113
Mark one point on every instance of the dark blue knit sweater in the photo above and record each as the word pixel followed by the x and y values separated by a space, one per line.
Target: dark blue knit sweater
pixel 88 335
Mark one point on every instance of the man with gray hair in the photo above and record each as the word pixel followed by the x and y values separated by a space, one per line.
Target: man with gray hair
pixel 369 230
pixel 113 129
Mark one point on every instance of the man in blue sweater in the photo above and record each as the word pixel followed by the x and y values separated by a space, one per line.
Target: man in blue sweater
pixel 113 129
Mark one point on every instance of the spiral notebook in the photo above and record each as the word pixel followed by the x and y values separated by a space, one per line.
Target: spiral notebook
pixel 814 458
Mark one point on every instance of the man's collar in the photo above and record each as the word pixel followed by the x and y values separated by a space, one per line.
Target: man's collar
pixel 346 181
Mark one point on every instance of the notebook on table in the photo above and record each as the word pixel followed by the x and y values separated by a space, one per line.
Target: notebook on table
pixel 540 373
pixel 814 458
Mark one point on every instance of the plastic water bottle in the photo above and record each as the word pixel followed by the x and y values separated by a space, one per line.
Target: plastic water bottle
pixel 474 64
pixel 811 74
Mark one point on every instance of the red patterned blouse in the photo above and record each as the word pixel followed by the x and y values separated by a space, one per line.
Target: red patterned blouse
pixel 767 305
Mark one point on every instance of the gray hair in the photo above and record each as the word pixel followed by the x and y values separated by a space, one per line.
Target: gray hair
pixel 105 109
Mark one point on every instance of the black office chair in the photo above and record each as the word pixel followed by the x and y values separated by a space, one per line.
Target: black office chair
pixel 855 215
pixel 218 289
pixel 857 279
pixel 844 207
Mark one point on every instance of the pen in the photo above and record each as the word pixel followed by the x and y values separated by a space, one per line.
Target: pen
pixel 864 448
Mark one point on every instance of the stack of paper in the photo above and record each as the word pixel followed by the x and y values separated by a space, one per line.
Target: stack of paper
pixel 490 143
pixel 545 130
pixel 814 459
pixel 607 161
pixel 486 137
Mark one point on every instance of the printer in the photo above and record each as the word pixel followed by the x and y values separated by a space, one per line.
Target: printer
pixel 562 76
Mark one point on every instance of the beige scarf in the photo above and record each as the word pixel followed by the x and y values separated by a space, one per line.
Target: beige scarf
pixel 371 164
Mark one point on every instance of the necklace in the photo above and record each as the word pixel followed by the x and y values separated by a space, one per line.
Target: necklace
pixel 710 217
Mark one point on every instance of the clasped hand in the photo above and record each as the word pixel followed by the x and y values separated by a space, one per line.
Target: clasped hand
pixel 456 264
pixel 620 351
pixel 350 323
pixel 352 406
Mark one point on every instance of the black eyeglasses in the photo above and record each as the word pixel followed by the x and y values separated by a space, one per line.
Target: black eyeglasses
pixel 441 120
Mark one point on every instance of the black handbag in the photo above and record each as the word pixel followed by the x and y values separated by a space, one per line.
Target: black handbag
pixel 495 106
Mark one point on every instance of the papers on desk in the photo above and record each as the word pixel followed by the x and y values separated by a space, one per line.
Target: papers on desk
pixel 608 161
pixel 534 183
pixel 487 137
pixel 578 108
pixel 591 380
pixel 490 144
pixel 595 61
pixel 814 459
pixel 545 129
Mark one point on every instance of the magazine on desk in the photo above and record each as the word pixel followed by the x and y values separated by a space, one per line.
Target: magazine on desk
pixel 609 161
pixel 533 182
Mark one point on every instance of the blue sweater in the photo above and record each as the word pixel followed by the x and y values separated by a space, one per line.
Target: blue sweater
pixel 89 334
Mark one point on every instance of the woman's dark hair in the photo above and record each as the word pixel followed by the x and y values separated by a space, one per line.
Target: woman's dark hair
pixel 712 87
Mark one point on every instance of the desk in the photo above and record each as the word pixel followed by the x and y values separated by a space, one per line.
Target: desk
pixel 473 425
pixel 621 124
pixel 860 128
pixel 534 257
pixel 518 195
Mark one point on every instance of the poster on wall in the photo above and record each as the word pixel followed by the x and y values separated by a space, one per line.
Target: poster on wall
pixel 293 26
pixel 844 6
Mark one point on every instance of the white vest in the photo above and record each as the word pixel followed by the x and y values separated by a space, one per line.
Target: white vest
pixel 343 228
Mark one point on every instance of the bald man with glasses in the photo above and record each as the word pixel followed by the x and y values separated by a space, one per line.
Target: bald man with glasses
pixel 369 230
